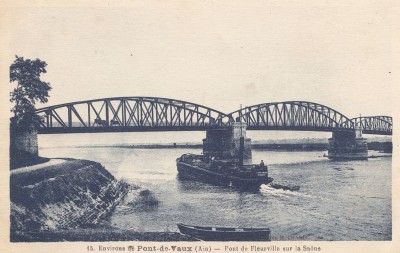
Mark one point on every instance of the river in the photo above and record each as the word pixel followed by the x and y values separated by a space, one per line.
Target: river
pixel 347 200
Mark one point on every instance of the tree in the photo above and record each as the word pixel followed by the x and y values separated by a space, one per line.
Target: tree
pixel 30 90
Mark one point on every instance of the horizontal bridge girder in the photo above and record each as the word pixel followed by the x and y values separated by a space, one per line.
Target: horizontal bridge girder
pixel 59 130
pixel 286 128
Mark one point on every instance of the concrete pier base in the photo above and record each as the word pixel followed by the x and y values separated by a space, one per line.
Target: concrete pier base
pixel 347 145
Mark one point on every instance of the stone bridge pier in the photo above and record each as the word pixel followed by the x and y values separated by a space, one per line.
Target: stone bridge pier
pixel 224 143
pixel 348 145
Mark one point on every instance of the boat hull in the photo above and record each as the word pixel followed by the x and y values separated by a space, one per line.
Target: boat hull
pixel 188 171
pixel 225 234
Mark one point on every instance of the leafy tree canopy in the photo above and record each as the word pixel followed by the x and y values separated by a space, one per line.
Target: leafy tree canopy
pixel 29 91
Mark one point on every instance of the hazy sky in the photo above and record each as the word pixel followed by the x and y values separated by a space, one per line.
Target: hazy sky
pixel 216 54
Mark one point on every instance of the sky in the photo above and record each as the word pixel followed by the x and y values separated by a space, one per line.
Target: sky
pixel 219 54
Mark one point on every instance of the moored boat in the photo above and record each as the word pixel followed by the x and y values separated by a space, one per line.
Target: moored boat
pixel 225 233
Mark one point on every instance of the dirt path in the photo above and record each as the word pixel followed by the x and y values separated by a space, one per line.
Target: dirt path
pixel 38 166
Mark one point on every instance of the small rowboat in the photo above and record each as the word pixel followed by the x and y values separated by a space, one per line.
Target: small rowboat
pixel 225 234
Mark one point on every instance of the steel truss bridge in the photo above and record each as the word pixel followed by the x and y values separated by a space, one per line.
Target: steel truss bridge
pixel 140 114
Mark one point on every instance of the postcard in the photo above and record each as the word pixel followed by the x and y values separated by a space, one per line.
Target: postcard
pixel 199 126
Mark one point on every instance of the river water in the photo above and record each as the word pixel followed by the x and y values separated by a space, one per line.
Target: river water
pixel 347 200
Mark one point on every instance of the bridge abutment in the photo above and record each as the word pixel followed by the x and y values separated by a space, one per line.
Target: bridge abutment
pixel 348 145
pixel 23 146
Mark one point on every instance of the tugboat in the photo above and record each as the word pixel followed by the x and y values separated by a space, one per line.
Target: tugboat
pixel 222 172
pixel 226 160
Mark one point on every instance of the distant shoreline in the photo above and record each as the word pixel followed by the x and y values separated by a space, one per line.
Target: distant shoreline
pixel 378 146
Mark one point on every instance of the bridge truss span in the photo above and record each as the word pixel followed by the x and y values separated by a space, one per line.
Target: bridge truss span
pixel 374 124
pixel 140 114
pixel 128 114
pixel 293 115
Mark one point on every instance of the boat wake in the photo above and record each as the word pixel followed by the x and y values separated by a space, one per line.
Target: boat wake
pixel 269 190
pixel 299 162
pixel 285 187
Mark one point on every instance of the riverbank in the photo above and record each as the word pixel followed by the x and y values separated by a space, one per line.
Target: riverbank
pixel 299 146
pixel 71 194
pixel 27 161
pixel 67 200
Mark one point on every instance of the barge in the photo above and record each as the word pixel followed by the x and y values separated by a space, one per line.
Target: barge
pixel 222 172
pixel 226 160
